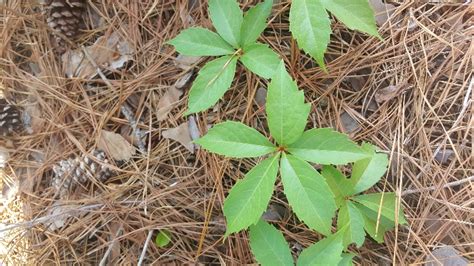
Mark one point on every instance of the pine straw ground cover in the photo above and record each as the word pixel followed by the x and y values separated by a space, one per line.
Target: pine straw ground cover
pixel 410 94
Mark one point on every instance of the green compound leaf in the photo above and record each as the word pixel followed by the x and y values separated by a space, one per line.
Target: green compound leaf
pixel 200 42
pixel 339 184
pixel 385 202
pixel 260 59
pixel 234 139
pixel 325 252
pixel 212 82
pixel 311 27
pixel 308 193
pixel 249 197
pixel 346 259
pixel 287 113
pixel 268 245
pixel 226 17
pixel 355 14
pixel 375 229
pixel 367 172
pixel 351 217
pixel 255 21
pixel 163 238
pixel 326 146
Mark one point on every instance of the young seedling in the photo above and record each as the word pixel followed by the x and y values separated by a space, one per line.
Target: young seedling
pixel 310 24
pixel 235 40
pixel 314 197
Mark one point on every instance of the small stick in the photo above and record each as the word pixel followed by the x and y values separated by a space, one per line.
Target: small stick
pixel 145 247
pixel 124 109
pixel 450 184
pixel 106 255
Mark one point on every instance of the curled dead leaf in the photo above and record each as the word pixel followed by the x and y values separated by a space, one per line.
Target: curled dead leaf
pixel 180 134
pixel 193 128
pixel 116 146
pixel 181 82
pixel 166 102
pixel 108 52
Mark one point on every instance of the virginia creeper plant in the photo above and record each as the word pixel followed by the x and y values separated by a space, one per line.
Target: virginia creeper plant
pixel 310 24
pixel 237 34
pixel 314 197
pixel 235 40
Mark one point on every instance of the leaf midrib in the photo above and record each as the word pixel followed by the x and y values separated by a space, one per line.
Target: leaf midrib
pixel 301 187
pixel 254 190
pixel 270 244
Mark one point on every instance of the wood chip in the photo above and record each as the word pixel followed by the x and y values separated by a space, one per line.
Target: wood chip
pixel 116 146
pixel 180 134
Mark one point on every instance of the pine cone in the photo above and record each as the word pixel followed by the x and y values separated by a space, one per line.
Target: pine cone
pixel 9 118
pixel 77 171
pixel 65 16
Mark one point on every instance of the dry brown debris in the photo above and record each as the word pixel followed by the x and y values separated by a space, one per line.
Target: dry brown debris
pixel 427 50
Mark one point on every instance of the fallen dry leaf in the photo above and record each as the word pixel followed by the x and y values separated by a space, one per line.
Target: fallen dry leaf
pixel 447 256
pixel 382 11
pixel 349 124
pixel 31 117
pixel 110 52
pixel 116 146
pixel 443 156
pixel 387 93
pixel 275 212
pixel 58 216
pixel 166 102
pixel 357 82
pixel 4 156
pixel 186 62
pixel 180 134
pixel 115 228
pixel 183 80
pixel 261 97
pixel 193 128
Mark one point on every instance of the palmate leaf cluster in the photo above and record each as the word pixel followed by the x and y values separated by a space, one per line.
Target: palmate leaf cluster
pixel 310 24
pixel 235 40
pixel 314 196
pixel 237 34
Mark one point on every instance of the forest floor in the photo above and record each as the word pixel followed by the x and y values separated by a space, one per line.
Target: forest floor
pixel 410 94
